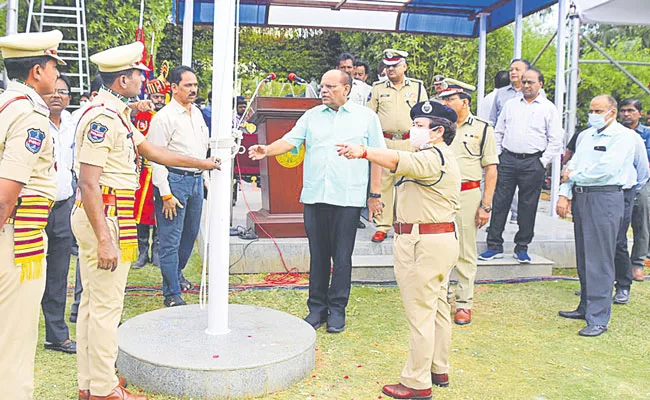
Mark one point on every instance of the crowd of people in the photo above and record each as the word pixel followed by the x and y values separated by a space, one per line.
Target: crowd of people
pixel 125 180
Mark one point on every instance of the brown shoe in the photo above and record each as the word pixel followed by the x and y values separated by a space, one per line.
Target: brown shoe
pixel 85 394
pixel 119 393
pixel 637 274
pixel 463 316
pixel 400 391
pixel 440 380
pixel 378 237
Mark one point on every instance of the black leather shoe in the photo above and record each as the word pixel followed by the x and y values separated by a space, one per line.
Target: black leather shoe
pixel 592 330
pixel 571 314
pixel 141 261
pixel 622 296
pixel 361 225
pixel 73 318
pixel 336 322
pixel 69 346
pixel 316 320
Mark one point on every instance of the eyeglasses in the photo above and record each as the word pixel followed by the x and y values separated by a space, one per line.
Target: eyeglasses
pixel 528 82
pixel 62 92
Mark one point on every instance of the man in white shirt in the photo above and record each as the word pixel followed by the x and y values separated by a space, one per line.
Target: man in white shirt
pixel 58 229
pixel 528 135
pixel 360 91
pixel 501 79
pixel 178 192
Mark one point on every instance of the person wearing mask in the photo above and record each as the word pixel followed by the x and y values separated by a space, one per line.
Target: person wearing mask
pixel 392 100
pixel 631 115
pixel 592 186
pixel 426 245
pixel 107 161
pixel 476 154
pixel 178 193
pixel 528 136
pixel 27 191
pixel 332 194
pixel 58 229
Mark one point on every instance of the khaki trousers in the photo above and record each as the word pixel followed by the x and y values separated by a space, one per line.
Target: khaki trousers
pixel 422 265
pixel 100 309
pixel 470 200
pixel 384 221
pixel 20 304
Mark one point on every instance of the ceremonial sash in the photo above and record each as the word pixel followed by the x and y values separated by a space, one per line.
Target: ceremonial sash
pixel 123 209
pixel 29 220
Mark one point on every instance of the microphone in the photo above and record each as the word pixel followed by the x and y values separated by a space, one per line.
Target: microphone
pixel 295 78
pixel 270 77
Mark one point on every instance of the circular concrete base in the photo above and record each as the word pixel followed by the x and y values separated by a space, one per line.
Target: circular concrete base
pixel 167 351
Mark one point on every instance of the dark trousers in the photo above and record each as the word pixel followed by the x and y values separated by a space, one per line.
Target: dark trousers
pixel 597 218
pixel 78 289
pixel 641 226
pixel 622 264
pixel 143 240
pixel 527 175
pixel 59 250
pixel 177 236
pixel 331 231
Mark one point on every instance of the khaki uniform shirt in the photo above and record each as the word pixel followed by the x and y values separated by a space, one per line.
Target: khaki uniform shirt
pixel 104 141
pixel 26 146
pixel 470 156
pixel 434 197
pixel 181 132
pixel 393 106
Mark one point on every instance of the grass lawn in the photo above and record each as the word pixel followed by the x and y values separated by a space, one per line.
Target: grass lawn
pixel 515 348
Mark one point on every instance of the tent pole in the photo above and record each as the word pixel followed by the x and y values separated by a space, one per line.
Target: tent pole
pixel 519 27
pixel 11 26
pixel 560 84
pixel 188 32
pixel 574 59
pixel 482 40
pixel 223 59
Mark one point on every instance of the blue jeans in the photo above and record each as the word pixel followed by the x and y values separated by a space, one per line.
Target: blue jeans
pixel 177 236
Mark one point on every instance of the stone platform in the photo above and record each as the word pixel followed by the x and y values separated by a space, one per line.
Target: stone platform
pixel 168 352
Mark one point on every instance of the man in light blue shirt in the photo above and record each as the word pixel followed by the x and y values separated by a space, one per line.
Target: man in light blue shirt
pixel 333 193
pixel 601 168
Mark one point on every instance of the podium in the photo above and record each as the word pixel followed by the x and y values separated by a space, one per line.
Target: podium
pixel 281 176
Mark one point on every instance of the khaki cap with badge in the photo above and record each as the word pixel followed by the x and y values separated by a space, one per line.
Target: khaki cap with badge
pixel 32 44
pixel 394 57
pixel 456 87
pixel 120 58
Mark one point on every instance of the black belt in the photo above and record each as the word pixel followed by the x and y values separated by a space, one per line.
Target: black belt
pixel 604 188
pixel 59 203
pixel 523 156
pixel 183 172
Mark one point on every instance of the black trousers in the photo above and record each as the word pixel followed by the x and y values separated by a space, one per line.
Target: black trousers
pixel 622 262
pixel 59 250
pixel 527 175
pixel 597 218
pixel 331 231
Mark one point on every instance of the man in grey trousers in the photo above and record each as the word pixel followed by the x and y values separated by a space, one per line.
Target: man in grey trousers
pixel 594 179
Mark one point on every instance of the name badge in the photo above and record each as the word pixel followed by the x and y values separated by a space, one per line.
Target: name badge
pixel 600 148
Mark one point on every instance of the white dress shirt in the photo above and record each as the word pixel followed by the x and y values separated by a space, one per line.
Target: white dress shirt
pixel 360 92
pixel 179 131
pixel 528 128
pixel 63 137
pixel 485 108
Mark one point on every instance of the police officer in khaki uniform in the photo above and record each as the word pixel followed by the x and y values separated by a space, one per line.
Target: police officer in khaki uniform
pixel 27 191
pixel 392 101
pixel 107 155
pixel 425 247
pixel 475 150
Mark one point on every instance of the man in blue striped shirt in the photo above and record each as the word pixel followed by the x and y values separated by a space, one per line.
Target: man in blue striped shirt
pixel 334 191
pixel 595 177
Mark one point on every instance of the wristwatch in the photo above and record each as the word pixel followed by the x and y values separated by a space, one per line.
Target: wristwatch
pixel 374 195
pixel 487 209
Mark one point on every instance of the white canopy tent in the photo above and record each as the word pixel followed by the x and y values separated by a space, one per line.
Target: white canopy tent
pixel 615 12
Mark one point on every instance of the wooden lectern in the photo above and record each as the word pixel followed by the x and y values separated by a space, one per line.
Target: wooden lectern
pixel 281 176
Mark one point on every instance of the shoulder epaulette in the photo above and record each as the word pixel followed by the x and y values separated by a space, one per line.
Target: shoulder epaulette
pixel 481 119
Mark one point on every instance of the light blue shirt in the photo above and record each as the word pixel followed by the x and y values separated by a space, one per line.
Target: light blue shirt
pixel 614 156
pixel 327 177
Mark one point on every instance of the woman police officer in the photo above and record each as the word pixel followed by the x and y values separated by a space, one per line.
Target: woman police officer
pixel 426 245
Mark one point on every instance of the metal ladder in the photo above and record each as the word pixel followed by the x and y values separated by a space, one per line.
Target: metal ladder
pixel 71 20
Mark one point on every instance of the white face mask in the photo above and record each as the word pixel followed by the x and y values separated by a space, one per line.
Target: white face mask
pixel 83 103
pixel 598 121
pixel 419 136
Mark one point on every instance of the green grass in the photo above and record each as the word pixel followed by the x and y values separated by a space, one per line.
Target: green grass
pixel 515 348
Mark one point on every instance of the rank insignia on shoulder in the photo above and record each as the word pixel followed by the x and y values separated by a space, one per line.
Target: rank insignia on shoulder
pixel 34 140
pixel 97 132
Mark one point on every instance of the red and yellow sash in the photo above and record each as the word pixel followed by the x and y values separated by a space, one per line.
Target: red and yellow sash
pixel 30 219
pixel 123 209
